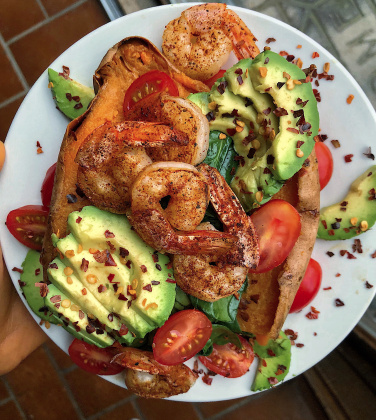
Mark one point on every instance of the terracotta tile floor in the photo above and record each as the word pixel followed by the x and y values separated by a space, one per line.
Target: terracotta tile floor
pixel 47 385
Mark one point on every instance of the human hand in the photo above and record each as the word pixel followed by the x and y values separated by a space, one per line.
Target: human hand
pixel 19 333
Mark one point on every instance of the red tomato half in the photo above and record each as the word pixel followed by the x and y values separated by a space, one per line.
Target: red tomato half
pixel 210 82
pixel 325 162
pixel 182 336
pixel 228 360
pixel 309 286
pixel 150 82
pixel 28 225
pixel 47 185
pixel 277 224
pixel 93 359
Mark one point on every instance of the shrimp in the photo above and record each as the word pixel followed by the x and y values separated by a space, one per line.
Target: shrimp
pixel 199 42
pixel 112 156
pixel 234 219
pixel 170 229
pixel 147 378
pixel 206 276
pixel 185 116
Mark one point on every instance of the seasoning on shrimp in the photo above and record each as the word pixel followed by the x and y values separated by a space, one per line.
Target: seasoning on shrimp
pixel 199 42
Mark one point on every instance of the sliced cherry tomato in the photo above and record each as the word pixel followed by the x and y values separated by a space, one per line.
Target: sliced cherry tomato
pixel 150 82
pixel 309 286
pixel 47 185
pixel 325 162
pixel 228 360
pixel 182 336
pixel 28 225
pixel 277 224
pixel 93 359
pixel 210 82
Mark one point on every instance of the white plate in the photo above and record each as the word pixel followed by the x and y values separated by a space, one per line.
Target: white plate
pixel 38 120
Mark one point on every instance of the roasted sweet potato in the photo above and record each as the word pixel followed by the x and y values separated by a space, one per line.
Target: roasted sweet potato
pixel 123 63
pixel 266 302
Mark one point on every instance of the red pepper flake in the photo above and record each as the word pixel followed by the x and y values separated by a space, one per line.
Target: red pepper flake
pixel 148 288
pixel 351 256
pixel 331 232
pixel 55 299
pixel 169 265
pixel 78 106
pixel 111 246
pixel 170 281
pixel 109 234
pixel 336 143
pixel 68 96
pixel 128 264
pixel 281 369
pixel 348 158
pixel 123 252
pixel 84 265
pixel 342 252
pixel 102 288
pixel 21 283
pixel 207 379
pixel 53 265
pixel 271 353
pixel 18 270
pixel 338 302
pixel 81 315
pixel 84 291
pixel 122 297
pixel 263 363
pixel 330 254
pixel 231 131
pixel 292 130
pixel 43 289
pixel 323 222
pixel 155 257
pixel 369 155
pixel 78 220
pixel 350 99
pixel 312 315
pixel 299 345
pixel 158 267
pixel 314 310
pixel 338 275
pixel 373 255
pixel 368 285
pixel 37 272
pixel 327 288
pixel 283 53
pixel 272 380
pixel 269 40
pixel 315 54
pixel 123 330
pixel 76 98
pixel 143 268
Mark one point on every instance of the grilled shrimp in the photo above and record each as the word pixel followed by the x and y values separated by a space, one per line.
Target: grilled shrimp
pixel 112 156
pixel 170 229
pixel 207 277
pixel 234 219
pixel 199 42
pixel 185 116
pixel 147 378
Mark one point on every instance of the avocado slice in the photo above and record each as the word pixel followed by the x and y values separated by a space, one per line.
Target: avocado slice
pixel 120 273
pixel 296 107
pixel 274 362
pixel 71 97
pixel 355 214
pixel 271 119
pixel 33 273
pixel 72 318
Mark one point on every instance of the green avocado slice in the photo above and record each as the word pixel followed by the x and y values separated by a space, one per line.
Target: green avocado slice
pixel 71 97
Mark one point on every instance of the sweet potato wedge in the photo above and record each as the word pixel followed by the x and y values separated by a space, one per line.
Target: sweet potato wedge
pixel 123 63
pixel 266 302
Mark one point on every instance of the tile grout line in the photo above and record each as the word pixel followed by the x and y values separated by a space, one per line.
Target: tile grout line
pixel 14 63
pixel 231 409
pixel 64 382
pixel 13 98
pixel 44 11
pixel 111 407
pixel 45 22
pixel 14 398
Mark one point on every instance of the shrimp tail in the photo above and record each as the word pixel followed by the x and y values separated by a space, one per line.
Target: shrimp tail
pixel 235 220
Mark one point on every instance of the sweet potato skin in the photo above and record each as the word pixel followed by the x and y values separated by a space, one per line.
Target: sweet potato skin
pixel 123 63
pixel 266 302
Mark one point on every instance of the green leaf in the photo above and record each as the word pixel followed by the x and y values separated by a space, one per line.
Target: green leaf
pixel 223 310
pixel 220 335
pixel 221 155
pixel 274 362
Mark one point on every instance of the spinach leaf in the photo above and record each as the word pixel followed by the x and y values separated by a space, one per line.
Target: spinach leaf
pixel 221 155
pixel 220 335
pixel 223 310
